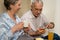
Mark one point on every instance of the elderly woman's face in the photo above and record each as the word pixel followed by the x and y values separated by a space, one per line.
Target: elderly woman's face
pixel 17 6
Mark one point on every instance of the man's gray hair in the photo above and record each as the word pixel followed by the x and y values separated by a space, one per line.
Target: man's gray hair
pixel 33 1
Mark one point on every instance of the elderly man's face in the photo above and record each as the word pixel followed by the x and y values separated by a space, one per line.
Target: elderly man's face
pixel 37 9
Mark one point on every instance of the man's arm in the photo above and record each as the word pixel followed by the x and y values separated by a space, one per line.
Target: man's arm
pixel 36 33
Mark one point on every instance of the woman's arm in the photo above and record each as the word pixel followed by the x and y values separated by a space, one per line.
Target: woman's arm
pixel 5 34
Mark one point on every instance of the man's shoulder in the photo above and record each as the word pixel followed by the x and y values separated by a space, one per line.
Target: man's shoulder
pixel 27 14
pixel 42 15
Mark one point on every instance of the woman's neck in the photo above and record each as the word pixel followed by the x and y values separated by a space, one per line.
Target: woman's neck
pixel 12 14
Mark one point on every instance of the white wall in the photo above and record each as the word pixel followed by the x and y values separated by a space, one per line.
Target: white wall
pixel 57 17
pixel 49 9
pixel 52 11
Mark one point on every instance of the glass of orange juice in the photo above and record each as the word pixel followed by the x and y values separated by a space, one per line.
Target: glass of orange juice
pixel 50 35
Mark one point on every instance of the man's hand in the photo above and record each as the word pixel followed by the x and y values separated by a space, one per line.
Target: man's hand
pixel 50 25
pixel 38 32
pixel 41 31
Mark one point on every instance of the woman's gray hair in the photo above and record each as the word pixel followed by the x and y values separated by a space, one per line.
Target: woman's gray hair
pixel 33 1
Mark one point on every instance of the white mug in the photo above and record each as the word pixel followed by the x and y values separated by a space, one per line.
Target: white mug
pixel 26 23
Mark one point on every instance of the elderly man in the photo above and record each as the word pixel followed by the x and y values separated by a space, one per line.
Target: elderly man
pixel 38 22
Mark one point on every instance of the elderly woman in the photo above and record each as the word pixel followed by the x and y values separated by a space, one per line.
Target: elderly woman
pixel 10 24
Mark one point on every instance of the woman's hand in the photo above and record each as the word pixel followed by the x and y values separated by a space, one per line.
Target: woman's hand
pixel 20 26
pixel 17 27
pixel 27 28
